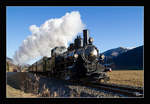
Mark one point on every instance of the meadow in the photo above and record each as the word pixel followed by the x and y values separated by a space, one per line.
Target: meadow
pixel 127 77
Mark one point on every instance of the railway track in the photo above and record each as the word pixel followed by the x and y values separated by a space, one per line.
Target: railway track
pixel 119 89
pixel 123 90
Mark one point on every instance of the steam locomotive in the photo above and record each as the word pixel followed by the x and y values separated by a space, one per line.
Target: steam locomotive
pixel 80 61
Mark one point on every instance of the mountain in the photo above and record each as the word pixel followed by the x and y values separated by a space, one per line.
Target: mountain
pixel 125 58
pixel 132 59
pixel 115 52
pixel 10 66
pixel 112 53
pixel 9 59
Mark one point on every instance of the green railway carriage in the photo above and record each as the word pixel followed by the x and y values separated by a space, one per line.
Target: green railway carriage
pixel 33 68
pixel 44 65
pixel 39 66
pixel 50 64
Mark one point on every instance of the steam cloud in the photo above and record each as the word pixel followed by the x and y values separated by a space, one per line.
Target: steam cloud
pixel 54 32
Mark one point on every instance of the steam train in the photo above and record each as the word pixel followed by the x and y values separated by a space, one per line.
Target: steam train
pixel 80 61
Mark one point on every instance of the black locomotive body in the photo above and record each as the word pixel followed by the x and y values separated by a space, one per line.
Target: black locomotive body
pixel 80 61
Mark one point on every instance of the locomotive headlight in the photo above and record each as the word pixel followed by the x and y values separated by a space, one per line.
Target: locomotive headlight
pixel 75 55
pixel 102 57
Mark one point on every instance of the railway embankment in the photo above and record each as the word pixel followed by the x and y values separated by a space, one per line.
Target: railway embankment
pixel 41 86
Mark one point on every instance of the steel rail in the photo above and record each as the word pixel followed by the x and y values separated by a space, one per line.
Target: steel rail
pixel 123 90
pixel 127 91
pixel 117 90
pixel 123 87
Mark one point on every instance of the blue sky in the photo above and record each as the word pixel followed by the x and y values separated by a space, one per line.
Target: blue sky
pixel 110 26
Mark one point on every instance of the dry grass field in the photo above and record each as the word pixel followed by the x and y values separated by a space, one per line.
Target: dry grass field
pixel 14 80
pixel 15 93
pixel 127 77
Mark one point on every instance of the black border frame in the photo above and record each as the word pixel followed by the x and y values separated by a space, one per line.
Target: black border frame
pixel 5 3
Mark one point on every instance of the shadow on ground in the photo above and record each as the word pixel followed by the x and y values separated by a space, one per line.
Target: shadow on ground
pixel 43 86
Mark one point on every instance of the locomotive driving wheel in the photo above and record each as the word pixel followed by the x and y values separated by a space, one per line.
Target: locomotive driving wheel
pixel 104 80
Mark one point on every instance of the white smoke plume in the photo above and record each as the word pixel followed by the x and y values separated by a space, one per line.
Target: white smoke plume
pixel 54 32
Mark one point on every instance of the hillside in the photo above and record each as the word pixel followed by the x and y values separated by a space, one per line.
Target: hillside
pixel 132 59
pixel 9 59
pixel 124 58
pixel 112 53
pixel 10 67
pixel 115 52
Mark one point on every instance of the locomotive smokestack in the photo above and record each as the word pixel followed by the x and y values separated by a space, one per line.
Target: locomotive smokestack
pixel 85 37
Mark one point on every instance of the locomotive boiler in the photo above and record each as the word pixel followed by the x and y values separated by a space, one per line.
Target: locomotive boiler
pixel 80 61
